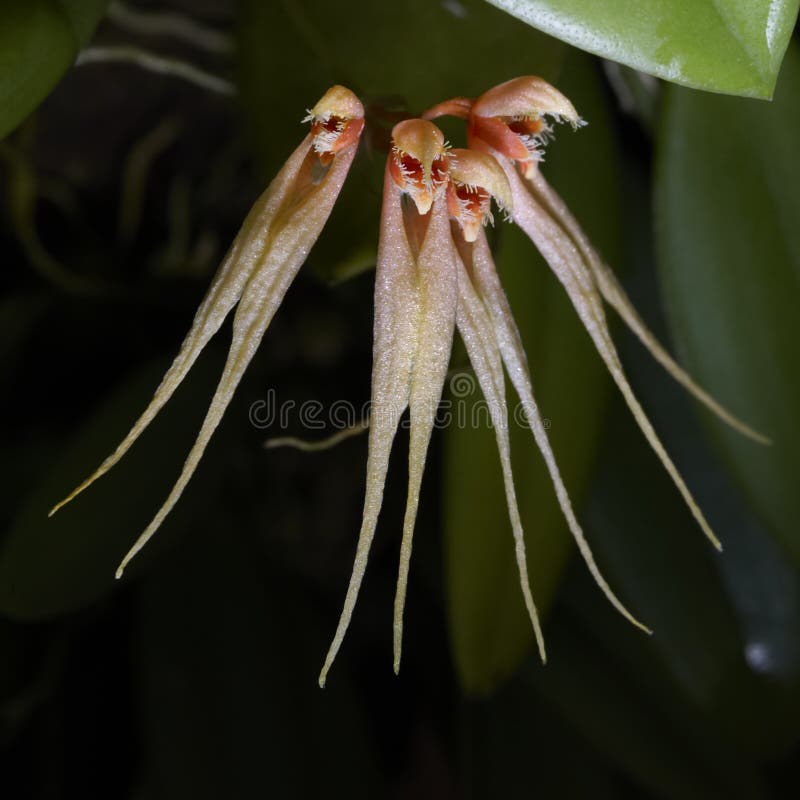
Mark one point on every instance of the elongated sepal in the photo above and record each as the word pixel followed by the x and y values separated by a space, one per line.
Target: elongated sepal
pixel 415 300
pixel 479 335
pixel 437 311
pixel 487 283
pixel 271 246
pixel 569 266
pixel 395 342
pixel 616 296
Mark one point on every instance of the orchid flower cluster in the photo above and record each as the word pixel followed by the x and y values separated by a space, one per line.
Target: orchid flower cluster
pixel 435 275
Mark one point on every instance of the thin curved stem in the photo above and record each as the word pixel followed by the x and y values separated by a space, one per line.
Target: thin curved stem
pixel 152 62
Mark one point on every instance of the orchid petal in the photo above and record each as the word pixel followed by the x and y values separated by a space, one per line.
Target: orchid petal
pixel 488 285
pixel 566 262
pixel 397 309
pixel 616 296
pixel 437 311
pixel 479 334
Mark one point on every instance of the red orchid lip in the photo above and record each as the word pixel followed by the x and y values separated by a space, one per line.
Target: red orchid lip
pixel 418 161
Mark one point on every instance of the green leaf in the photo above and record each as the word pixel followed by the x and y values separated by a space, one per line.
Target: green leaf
pixel 631 713
pixel 732 46
pixel 489 628
pixel 54 565
pixel 728 203
pixel 724 641
pixel 39 40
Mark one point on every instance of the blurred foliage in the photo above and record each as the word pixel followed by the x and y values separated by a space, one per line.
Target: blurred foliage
pixel 732 46
pixel 83 546
pixel 39 40
pixel 195 675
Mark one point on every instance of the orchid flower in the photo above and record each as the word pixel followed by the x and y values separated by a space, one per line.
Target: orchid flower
pixel 510 122
pixel 435 274
pixel 486 325
pixel 415 310
pixel 266 254
pixel 431 277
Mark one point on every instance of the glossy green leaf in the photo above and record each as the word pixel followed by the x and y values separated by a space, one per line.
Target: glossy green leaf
pixel 728 203
pixel 490 630
pixel 629 711
pixel 732 46
pixel 50 566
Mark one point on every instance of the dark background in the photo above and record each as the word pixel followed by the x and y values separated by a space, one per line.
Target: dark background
pixel 195 676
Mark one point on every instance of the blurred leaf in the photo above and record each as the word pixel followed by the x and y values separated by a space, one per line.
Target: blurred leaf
pixel 725 625
pixel 409 57
pixel 231 706
pixel 498 736
pixel 490 629
pixel 39 40
pixel 732 46
pixel 637 93
pixel 706 630
pixel 19 315
pixel 728 203
pixel 83 16
pixel 52 566
pixel 616 697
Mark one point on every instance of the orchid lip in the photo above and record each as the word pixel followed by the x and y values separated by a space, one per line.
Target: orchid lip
pixel 418 162
pixel 337 121
pixel 475 178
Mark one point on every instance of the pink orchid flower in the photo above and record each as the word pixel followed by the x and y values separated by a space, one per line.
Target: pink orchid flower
pixel 435 273
pixel 266 254
pixel 511 122
pixel 415 310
